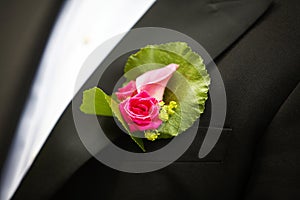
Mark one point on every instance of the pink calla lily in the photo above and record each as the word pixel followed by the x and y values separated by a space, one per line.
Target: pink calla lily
pixel 128 90
pixel 155 81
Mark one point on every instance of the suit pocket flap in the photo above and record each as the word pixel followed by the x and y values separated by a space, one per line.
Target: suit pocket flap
pixel 217 153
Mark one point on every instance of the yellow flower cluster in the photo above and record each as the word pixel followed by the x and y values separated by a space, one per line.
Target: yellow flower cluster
pixel 151 134
pixel 167 110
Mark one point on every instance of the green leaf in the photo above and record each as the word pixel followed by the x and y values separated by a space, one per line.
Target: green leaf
pixel 188 86
pixel 116 111
pixel 94 102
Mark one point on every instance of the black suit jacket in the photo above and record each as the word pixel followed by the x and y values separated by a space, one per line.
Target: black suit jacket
pixel 256 155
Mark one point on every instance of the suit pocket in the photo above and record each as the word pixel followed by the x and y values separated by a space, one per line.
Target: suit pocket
pixel 217 153
pixel 222 1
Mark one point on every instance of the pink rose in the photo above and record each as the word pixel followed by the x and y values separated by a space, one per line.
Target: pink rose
pixel 139 99
pixel 141 112
pixel 128 90
pixel 155 81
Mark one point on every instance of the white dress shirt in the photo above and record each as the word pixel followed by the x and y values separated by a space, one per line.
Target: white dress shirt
pixel 80 28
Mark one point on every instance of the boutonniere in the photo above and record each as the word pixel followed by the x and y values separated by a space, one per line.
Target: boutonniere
pixel 164 93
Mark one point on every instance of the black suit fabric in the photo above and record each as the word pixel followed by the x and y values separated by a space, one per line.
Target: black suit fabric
pixel 256 157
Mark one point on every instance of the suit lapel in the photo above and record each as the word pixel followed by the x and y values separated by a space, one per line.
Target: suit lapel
pixel 215 25
pixel 27 25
